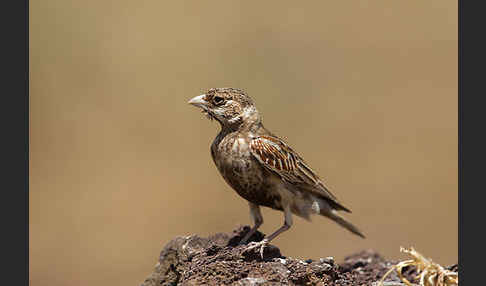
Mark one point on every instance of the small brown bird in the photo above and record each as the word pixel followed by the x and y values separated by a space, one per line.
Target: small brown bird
pixel 261 167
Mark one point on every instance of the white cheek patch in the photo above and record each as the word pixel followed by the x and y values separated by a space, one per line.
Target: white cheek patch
pixel 234 119
pixel 218 112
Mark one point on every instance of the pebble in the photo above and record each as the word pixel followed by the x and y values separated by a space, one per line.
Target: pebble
pixel 327 260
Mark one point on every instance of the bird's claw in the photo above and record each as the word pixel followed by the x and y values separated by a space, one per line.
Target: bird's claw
pixel 261 244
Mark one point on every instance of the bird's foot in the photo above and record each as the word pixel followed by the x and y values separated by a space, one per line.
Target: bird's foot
pixel 262 244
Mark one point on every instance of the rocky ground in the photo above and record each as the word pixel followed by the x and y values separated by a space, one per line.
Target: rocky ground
pixel 219 260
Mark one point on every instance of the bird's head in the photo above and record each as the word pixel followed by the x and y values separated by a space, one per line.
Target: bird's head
pixel 231 107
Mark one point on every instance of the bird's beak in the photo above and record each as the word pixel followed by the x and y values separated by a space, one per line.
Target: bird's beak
pixel 198 101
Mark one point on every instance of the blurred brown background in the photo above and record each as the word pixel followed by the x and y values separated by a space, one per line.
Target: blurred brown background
pixel 366 91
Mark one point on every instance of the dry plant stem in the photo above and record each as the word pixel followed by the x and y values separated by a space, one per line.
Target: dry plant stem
pixel 429 273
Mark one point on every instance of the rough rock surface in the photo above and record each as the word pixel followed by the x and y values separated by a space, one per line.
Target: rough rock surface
pixel 219 260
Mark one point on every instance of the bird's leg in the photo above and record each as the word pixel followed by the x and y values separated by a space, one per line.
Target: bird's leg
pixel 287 224
pixel 257 218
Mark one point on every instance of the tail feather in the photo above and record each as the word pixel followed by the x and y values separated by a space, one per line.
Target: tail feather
pixel 342 222
pixel 326 208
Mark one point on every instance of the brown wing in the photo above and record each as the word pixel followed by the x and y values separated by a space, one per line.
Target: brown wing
pixel 278 157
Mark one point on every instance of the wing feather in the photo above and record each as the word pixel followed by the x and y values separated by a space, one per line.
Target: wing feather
pixel 278 157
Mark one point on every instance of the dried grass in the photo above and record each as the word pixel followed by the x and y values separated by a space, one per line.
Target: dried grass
pixel 428 272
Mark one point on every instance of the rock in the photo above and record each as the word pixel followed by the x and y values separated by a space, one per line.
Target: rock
pixel 219 260
pixel 251 281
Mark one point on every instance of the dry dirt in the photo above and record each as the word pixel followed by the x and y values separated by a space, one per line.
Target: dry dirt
pixel 219 260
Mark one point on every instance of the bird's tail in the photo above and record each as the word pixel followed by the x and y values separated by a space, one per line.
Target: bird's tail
pixel 325 209
pixel 332 214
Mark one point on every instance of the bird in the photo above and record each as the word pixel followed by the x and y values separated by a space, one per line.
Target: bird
pixel 262 168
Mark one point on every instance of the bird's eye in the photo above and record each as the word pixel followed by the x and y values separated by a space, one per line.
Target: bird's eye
pixel 218 100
